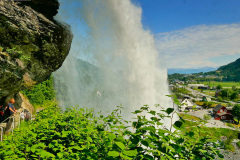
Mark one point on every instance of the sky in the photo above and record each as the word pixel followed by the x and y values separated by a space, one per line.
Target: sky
pixel 194 33
pixel 188 33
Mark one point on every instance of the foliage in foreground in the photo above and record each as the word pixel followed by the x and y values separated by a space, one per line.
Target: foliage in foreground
pixel 78 134
pixel 227 135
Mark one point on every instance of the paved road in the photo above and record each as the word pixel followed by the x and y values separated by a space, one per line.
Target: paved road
pixel 197 93
pixel 212 122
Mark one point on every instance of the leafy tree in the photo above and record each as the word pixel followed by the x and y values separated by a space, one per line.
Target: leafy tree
pixel 219 98
pixel 234 95
pixel 219 87
pixel 236 111
pixel 234 88
pixel 41 92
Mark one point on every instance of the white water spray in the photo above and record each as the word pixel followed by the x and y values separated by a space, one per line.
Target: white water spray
pixel 110 35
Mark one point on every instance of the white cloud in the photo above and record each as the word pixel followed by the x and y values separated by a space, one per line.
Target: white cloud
pixel 196 46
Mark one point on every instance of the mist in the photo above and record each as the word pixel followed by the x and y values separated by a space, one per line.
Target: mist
pixel 113 60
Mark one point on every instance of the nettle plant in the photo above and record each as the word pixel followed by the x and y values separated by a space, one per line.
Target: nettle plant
pixel 78 133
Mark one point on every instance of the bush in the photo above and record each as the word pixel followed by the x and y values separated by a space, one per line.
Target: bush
pixel 41 92
pixel 230 125
pixel 206 117
pixel 238 144
pixel 79 134
pixel 219 98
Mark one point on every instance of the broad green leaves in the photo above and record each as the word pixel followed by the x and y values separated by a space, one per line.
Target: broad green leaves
pixel 79 134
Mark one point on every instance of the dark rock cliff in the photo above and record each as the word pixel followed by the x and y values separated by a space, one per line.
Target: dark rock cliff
pixel 32 44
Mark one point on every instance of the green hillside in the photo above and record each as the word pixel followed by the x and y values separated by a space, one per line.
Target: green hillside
pixel 231 71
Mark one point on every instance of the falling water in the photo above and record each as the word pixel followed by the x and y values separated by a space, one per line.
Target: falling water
pixel 113 60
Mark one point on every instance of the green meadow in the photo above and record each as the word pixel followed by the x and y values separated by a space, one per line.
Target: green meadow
pixel 223 84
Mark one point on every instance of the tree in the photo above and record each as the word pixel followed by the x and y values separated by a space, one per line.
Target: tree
pixel 234 88
pixel 234 95
pixel 219 86
pixel 219 98
pixel 236 111
pixel 227 94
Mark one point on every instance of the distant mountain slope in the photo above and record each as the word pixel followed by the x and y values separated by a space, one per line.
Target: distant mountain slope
pixel 231 66
pixel 231 71
pixel 190 70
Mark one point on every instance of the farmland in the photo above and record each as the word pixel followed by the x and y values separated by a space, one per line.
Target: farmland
pixel 223 84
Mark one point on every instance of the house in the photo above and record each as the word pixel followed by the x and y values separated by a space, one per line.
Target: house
pixel 206 99
pixel 195 85
pixel 176 81
pixel 203 87
pixel 171 87
pixel 187 104
pixel 214 88
pixel 221 113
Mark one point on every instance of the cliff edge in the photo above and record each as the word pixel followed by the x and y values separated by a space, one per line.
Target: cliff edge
pixel 32 44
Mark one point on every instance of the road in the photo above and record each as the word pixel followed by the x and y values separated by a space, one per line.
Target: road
pixel 197 94
pixel 212 122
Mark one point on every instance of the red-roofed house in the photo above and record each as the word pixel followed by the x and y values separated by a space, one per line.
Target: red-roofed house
pixel 221 113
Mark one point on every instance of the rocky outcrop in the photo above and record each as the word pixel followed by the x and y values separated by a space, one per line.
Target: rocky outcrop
pixel 32 44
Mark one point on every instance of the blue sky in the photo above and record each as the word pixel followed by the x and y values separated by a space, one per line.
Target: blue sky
pixel 169 15
pixel 194 33
pixel 188 33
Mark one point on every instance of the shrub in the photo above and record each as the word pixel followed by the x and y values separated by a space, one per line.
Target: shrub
pixel 238 144
pixel 79 134
pixel 206 117
pixel 38 94
pixel 230 125
pixel 219 98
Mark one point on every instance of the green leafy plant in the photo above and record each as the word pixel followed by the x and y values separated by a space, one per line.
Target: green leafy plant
pixel 206 117
pixel 236 112
pixel 79 133
pixel 41 93
pixel 238 144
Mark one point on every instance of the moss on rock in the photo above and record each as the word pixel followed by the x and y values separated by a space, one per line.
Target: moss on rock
pixel 33 44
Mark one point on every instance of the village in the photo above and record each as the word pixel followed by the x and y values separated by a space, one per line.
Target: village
pixel 205 102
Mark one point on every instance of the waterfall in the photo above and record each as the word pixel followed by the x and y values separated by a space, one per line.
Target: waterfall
pixel 113 60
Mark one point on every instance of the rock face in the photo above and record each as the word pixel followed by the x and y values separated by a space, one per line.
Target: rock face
pixel 32 44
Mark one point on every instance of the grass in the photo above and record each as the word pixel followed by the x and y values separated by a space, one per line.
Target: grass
pixel 223 84
pixel 206 91
pixel 200 103
pixel 233 125
pixel 213 133
pixel 190 117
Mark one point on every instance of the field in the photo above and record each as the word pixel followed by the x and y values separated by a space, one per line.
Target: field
pixel 223 84
pixel 212 105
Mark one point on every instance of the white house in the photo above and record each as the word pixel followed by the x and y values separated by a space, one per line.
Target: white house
pixel 187 104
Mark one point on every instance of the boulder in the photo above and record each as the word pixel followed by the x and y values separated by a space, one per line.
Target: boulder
pixel 32 44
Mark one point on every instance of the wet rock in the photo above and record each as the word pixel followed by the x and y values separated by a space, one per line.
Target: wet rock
pixel 32 44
